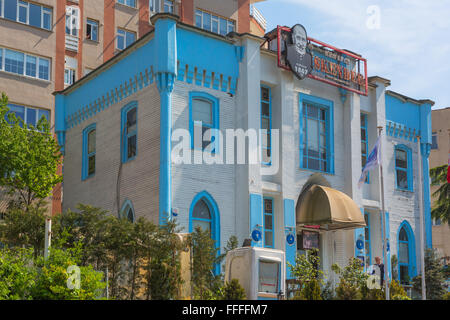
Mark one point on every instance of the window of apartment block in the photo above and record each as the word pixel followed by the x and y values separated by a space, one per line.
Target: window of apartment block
pixel 125 38
pixel 29 115
pixel 130 3
pixel 24 64
pixel 266 124
pixel 157 6
pixel 434 141
pixel 72 20
pixel 213 23
pixel 92 30
pixel 69 76
pixel 268 223
pixel 27 12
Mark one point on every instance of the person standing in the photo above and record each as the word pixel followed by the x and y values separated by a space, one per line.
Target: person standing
pixel 381 267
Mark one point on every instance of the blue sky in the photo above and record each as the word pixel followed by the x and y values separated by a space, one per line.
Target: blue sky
pixel 411 47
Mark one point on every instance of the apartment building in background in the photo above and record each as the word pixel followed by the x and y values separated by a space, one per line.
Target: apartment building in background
pixel 439 154
pixel 47 45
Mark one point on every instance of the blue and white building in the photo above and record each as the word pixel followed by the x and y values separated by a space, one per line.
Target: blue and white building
pixel 116 127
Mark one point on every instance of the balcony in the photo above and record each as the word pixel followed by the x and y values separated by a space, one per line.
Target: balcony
pixel 256 14
pixel 71 42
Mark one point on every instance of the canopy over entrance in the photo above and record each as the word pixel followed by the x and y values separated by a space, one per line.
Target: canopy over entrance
pixel 328 208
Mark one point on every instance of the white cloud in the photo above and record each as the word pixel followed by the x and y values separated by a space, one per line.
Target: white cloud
pixel 412 46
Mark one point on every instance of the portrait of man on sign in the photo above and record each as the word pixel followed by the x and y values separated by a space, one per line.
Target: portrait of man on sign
pixel 298 58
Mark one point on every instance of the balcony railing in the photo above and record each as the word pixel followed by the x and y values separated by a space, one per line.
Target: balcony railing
pixel 256 14
pixel 71 42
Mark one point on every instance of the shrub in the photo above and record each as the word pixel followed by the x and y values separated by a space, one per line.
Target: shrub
pixel 233 291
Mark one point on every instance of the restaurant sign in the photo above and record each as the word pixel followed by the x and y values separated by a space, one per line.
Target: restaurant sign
pixel 307 57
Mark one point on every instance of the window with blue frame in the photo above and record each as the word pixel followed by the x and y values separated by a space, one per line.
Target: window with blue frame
pixel 125 38
pixel 26 12
pixel 127 211
pixel 316 139
pixel 129 132
pixel 268 227
pixel 89 151
pixel 28 115
pixel 204 213
pixel 406 253
pixel 367 246
pixel 364 143
pixel 266 124
pixel 403 168
pixel 24 64
pixel 130 3
pixel 204 119
pixel 213 23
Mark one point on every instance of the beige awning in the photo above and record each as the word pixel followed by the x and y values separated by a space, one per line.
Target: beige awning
pixel 328 208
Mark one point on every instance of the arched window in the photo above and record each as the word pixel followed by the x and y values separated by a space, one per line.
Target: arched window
pixel 127 211
pixel 89 152
pixel 128 129
pixel 406 253
pixel 204 212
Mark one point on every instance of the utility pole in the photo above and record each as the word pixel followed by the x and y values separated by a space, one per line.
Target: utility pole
pixel 422 228
pixel 383 220
pixel 48 236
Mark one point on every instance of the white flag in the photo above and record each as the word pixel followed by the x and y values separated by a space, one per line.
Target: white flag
pixel 373 161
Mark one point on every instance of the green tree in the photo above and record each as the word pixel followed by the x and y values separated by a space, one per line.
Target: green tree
pixel 353 280
pixel 52 277
pixel 24 228
pixel 29 157
pixel 434 277
pixel 441 208
pixel 233 291
pixel 204 255
pixel 16 276
pixel 308 275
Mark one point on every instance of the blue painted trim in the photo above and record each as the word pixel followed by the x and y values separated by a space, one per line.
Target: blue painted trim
pixel 272 215
pixel 60 120
pixel 359 235
pixel 124 205
pixel 123 135
pixel 409 169
pixel 289 226
pixel 412 269
pixel 269 134
pixel 329 105
pixel 84 151
pixel 364 127
pixel 256 217
pixel 215 102
pixel 215 220
pixel 368 241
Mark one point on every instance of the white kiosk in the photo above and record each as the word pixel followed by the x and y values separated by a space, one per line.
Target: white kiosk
pixel 260 271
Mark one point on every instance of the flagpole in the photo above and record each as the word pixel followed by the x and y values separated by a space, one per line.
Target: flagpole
pixel 383 220
pixel 422 236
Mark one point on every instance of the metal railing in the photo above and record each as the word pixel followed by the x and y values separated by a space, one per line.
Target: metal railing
pixel 256 14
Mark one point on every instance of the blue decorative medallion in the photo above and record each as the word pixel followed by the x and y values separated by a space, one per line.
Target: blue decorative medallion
pixel 256 235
